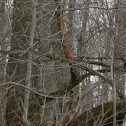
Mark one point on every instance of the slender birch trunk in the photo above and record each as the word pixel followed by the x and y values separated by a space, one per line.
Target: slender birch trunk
pixel 114 86
pixel 29 64
pixel 5 26
pixel 113 68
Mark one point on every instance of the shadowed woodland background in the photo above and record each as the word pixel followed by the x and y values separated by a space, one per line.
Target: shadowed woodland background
pixel 62 62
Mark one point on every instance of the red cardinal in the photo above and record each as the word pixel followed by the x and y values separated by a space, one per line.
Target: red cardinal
pixel 70 57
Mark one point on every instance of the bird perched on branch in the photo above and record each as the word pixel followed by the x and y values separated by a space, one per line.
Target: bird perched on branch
pixel 70 57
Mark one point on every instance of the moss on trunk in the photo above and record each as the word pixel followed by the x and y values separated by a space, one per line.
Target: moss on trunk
pixel 100 115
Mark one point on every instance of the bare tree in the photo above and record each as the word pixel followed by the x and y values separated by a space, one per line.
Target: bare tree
pixel 29 64
pixel 65 57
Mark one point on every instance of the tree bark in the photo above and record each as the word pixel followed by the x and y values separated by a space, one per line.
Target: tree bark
pixel 29 64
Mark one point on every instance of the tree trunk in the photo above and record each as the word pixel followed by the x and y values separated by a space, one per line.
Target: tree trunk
pixel 4 44
pixel 29 64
